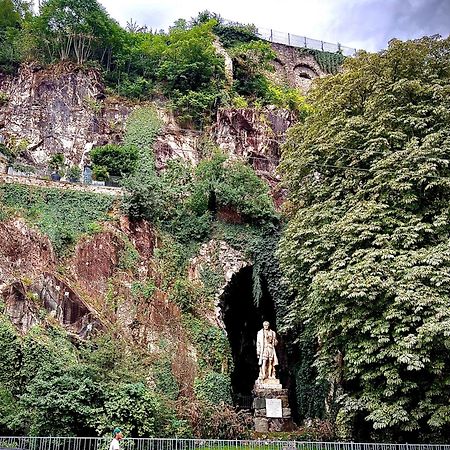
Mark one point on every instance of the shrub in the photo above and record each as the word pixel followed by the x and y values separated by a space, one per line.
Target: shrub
pixel 56 161
pixel 74 173
pixel 117 159
pixel 220 182
pixel 100 173
pixel 214 387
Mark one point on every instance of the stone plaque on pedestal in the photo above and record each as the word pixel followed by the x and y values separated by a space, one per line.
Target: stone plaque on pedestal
pixel 271 410
pixel 274 408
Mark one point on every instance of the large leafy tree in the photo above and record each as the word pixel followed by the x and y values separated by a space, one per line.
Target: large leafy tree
pixel 367 247
pixel 78 30
pixel 13 18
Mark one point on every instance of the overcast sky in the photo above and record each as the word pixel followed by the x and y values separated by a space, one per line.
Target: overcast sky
pixel 367 24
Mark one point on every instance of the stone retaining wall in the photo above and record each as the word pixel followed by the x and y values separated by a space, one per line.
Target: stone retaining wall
pixel 32 181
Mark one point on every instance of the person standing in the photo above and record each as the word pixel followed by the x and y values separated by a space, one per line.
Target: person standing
pixel 117 436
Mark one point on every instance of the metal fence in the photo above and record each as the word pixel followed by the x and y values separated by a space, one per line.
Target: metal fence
pixel 79 443
pixel 293 40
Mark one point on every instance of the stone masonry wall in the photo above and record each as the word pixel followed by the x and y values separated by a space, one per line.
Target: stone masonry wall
pixel 295 68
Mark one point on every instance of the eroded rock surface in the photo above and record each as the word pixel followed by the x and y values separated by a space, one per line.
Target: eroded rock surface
pixel 94 262
pixel 256 135
pixel 23 303
pixel 59 109
pixel 24 252
pixel 226 261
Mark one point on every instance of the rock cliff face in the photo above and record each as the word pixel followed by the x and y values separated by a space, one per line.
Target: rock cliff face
pixel 254 134
pixel 24 252
pixel 72 290
pixel 64 109
pixel 61 109
pixel 92 289
pixel 29 282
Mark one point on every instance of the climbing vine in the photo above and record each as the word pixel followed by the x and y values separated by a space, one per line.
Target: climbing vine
pixel 63 215
pixel 329 62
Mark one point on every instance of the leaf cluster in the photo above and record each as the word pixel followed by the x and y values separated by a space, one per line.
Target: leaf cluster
pixel 366 247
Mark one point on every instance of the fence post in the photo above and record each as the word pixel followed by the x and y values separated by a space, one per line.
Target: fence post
pixel 271 35
pixel 289 39
pixel 306 46
pixel 322 44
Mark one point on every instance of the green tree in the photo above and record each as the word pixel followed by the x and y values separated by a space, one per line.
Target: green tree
pixel 190 61
pixel 367 244
pixel 192 73
pixel 251 60
pixel 76 29
pixel 118 159
pixel 13 19
pixel 220 182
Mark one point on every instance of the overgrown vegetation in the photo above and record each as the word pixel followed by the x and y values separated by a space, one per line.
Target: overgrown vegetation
pixel 62 215
pixel 182 65
pixel 115 160
pixel 184 204
pixel 329 62
pixel 366 248
pixel 55 388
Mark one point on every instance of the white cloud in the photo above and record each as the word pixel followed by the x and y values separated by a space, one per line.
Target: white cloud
pixel 367 24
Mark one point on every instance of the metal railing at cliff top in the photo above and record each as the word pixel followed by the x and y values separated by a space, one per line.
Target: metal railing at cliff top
pixel 293 40
pixel 92 443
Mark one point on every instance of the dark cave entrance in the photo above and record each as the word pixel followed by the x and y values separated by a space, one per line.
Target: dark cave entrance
pixel 243 319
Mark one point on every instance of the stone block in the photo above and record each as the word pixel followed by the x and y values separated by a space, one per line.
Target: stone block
pixel 287 413
pixel 276 425
pixel 261 425
pixel 270 393
pixel 259 403
pixel 260 412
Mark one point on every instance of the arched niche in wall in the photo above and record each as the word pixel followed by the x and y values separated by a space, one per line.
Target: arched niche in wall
pixel 304 75
pixel 280 69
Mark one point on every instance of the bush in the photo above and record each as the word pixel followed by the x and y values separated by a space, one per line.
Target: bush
pixel 145 191
pixel 221 183
pixel 100 173
pixel 186 294
pixel 196 107
pixel 56 161
pixel 74 173
pixel 210 421
pixel 117 159
pixel 214 387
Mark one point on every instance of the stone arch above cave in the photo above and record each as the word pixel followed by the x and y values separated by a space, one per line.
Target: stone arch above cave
pixel 237 314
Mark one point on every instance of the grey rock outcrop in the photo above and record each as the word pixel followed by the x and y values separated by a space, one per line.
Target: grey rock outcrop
pixel 62 109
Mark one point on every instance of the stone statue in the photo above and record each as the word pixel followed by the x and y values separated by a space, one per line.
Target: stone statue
pixel 266 340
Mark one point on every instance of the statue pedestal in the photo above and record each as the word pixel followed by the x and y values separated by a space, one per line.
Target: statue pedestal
pixel 271 407
pixel 268 383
